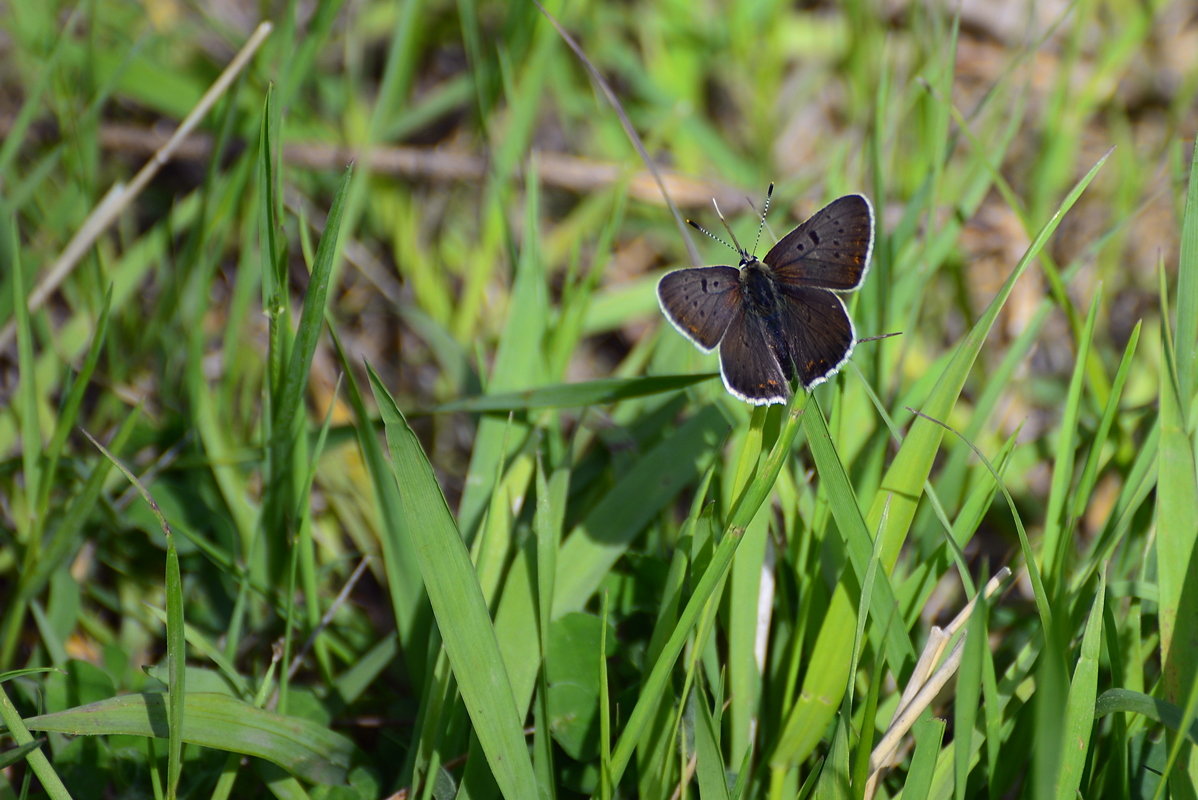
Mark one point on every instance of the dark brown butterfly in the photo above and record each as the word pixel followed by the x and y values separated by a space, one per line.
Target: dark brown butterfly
pixel 779 318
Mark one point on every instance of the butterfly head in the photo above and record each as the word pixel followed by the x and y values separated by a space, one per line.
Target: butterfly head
pixel 746 257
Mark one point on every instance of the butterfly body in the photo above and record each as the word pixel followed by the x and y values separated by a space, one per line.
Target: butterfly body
pixel 778 319
pixel 759 290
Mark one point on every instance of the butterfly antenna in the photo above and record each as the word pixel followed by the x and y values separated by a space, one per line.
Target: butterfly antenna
pixel 744 255
pixel 706 232
pixel 769 193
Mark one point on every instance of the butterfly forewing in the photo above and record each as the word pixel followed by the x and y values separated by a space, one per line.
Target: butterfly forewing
pixel 816 334
pixel 747 362
pixel 701 302
pixel 829 251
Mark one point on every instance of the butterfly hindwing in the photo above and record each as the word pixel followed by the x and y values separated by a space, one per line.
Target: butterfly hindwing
pixel 748 363
pixel 815 334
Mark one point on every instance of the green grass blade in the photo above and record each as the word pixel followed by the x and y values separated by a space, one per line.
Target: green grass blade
pixel 928 734
pixel 28 525
pixel 1056 541
pixel 176 659
pixel 834 774
pixel 1079 713
pixel 969 690
pixel 1177 508
pixel 606 784
pixel 295 377
pixel 905 478
pixel 1085 484
pixel 275 303
pixel 547 526
pixel 884 608
pixel 218 721
pixel 1187 291
pixel 459 607
pixel 710 769
pixel 404 583
pixel 571 395
pixel 176 643
pixel 1176 539
pixel 1162 711
pixel 38 763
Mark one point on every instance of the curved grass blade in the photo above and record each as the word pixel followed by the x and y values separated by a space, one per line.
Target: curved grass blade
pixel 459 606
pixel 300 746
pixel 1055 541
pixel 404 584
pixel 1162 711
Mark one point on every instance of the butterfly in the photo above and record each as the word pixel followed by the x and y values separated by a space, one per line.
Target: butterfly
pixel 779 318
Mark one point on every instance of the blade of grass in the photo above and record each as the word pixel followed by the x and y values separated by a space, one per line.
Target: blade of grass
pixel 606 781
pixel 404 583
pixel 570 395
pixel 969 690
pixel 547 526
pixel 1056 543
pixel 1187 292
pixel 710 769
pixel 459 607
pixel 218 721
pixel 38 763
pixel 928 734
pixel 1177 536
pixel 846 510
pixel 1162 711
pixel 744 607
pixel 1085 484
pixel 1079 713
pixel 28 524
pixel 280 500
